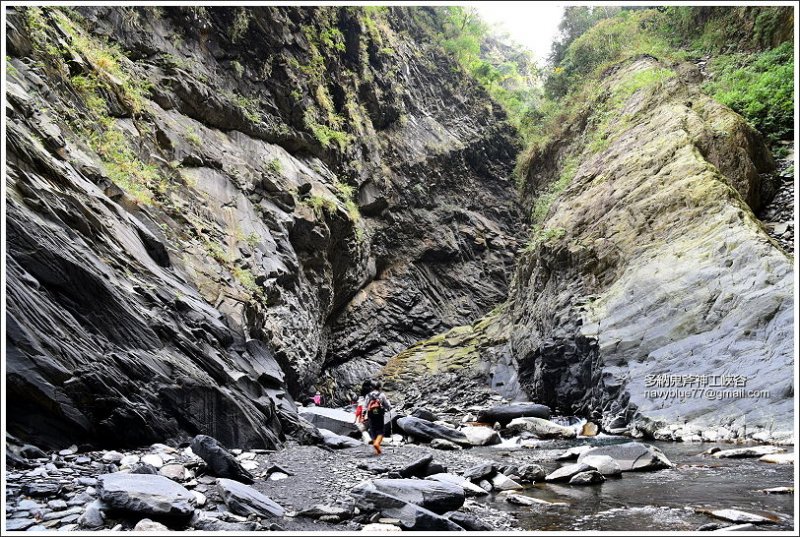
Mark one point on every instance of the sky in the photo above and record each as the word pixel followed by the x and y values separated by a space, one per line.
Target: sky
pixel 533 24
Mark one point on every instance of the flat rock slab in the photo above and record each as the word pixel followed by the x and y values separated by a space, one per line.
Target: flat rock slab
pixel 335 420
pixel 145 494
pixel 245 500
pixel 427 431
pixel 503 414
pixel 632 456
pixel 220 461
pixel 470 488
pixel 565 473
pixel 778 458
pixel 603 463
pixel 410 516
pixel 747 452
pixel 541 428
pixel 437 496
pixel 734 515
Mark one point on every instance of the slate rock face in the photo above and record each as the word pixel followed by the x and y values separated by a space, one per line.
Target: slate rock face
pixel 244 500
pixel 150 495
pixel 205 291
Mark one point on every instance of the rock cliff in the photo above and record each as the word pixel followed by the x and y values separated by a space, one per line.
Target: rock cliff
pixel 212 210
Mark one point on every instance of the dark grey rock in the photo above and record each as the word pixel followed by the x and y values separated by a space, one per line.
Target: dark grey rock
pixel 436 496
pixel 530 473
pixel 591 477
pixel 40 489
pixel 144 468
pixel 410 516
pixel 336 441
pixel 220 461
pixel 424 414
pixel 503 414
pixel 480 472
pixel 333 419
pixel 144 494
pixel 245 500
pixel 427 431
pixel 93 515
pixel 31 452
pixel 565 473
pixel 469 522
pixel 417 468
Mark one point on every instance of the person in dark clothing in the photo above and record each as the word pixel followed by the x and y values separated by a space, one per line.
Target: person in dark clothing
pixel 376 404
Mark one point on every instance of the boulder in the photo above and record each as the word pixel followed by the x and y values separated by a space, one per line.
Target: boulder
pixel 145 494
pixel 93 516
pixel 409 515
pixel 447 445
pixel 436 496
pixel 337 441
pixel 424 414
pixel 479 472
pixel 417 468
pixel 778 458
pixel 592 477
pixel 481 436
pixel 245 500
pixel 470 488
pixel 603 464
pixel 541 428
pixel 531 473
pixel 734 515
pixel 565 473
pixel 220 461
pixel 503 414
pixel 146 524
pixel 174 471
pixel 427 431
pixel 632 456
pixel 321 510
pixel 589 429
pixel 747 452
pixel 502 482
pixel 335 420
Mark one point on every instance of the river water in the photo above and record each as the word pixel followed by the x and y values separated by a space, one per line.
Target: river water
pixel 660 500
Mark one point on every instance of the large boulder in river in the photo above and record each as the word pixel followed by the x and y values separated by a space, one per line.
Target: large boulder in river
pixel 145 495
pixel 631 456
pixel 427 431
pixel 470 488
pixel 541 428
pixel 244 500
pixel 568 471
pixel 481 436
pixel 505 413
pixel 437 496
pixel 220 461
pixel 335 420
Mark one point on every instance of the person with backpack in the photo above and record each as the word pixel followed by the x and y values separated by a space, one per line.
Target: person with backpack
pixel 376 405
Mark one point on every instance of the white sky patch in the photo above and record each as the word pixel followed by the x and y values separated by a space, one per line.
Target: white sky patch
pixel 532 24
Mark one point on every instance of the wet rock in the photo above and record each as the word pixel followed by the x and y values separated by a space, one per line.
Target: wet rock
pixel 505 413
pixel 503 482
pixel 244 500
pixel 337 441
pixel 469 522
pixel 520 499
pixel 144 494
pixel 481 436
pixel 436 496
pixel 592 477
pixel 220 461
pixel 440 443
pixel 93 516
pixel 146 524
pixel 539 427
pixel 427 431
pixel 479 472
pixel 470 488
pixel 603 464
pixel 778 458
pixel 632 456
pixel 530 473
pixel 333 419
pixel 565 473
pixel 734 515
pixel 747 452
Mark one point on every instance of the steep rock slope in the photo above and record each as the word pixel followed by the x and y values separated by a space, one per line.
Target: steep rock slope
pixel 650 298
pixel 650 271
pixel 211 210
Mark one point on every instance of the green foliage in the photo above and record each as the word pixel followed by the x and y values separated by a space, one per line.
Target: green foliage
pixel 275 166
pixel 193 137
pixel 10 69
pixel 216 251
pixel 332 39
pixel 541 235
pixel 758 86
pixel 543 202
pixel 321 204
pixel 237 68
pixel 240 24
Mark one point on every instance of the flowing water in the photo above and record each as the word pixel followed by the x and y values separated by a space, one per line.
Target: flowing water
pixel 663 499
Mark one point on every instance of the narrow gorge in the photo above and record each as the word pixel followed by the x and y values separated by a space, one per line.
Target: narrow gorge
pixel 213 213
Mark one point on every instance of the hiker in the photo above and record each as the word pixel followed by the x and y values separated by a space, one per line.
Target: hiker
pixel 376 405
pixel 318 400
pixel 361 405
